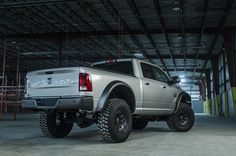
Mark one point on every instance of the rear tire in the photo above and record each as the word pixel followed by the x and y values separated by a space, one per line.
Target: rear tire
pixel 115 121
pixel 182 120
pixel 54 124
pixel 139 124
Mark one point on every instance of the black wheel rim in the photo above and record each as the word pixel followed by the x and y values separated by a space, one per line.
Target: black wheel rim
pixel 60 118
pixel 183 119
pixel 121 122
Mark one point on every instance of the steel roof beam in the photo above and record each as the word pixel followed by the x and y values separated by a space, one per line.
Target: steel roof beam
pixel 42 15
pixel 163 28
pixel 93 59
pixel 69 22
pixel 202 27
pixel 187 70
pixel 75 35
pixel 115 14
pixel 138 16
pixel 90 26
pixel 183 29
pixel 27 42
pixel 35 23
pixel 96 17
pixel 31 3
pixel 5 27
pixel 227 10
pixel 9 18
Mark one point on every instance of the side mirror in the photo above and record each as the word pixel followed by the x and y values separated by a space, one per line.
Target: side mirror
pixel 175 79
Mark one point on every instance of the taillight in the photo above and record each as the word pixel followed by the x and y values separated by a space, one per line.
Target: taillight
pixel 85 82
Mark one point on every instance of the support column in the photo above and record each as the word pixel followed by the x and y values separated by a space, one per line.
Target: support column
pixel 202 90
pixel 226 102
pixel 208 88
pixel 229 42
pixel 2 102
pixel 216 88
pixel 60 54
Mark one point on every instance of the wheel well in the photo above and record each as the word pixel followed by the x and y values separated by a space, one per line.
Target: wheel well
pixel 125 93
pixel 186 99
pixel 183 98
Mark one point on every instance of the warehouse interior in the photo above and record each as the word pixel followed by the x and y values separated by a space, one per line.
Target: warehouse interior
pixel 192 39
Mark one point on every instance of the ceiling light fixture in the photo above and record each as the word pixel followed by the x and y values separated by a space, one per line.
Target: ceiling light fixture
pixel 176 8
pixel 182 80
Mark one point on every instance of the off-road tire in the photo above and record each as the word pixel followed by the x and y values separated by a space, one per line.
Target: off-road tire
pixel 110 120
pixel 169 123
pixel 182 120
pixel 139 124
pixel 50 128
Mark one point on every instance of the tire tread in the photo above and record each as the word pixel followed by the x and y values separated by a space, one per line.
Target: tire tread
pixel 103 120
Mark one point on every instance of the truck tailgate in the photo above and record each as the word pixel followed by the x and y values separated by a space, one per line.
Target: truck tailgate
pixel 53 82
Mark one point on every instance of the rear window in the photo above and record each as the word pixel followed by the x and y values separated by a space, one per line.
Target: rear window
pixel 124 67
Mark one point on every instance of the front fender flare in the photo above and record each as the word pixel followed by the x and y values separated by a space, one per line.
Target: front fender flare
pixel 182 95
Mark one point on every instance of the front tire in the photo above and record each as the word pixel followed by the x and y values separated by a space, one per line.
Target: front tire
pixel 55 124
pixel 115 121
pixel 182 120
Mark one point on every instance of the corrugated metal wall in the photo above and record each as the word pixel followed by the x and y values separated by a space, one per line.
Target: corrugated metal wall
pixel 226 99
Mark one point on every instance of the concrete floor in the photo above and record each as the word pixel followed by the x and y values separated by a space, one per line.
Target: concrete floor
pixel 210 136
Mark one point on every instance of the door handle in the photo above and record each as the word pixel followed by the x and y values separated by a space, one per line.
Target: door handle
pixel 147 84
pixel 163 86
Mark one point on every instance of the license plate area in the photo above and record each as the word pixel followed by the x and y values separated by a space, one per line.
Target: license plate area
pixel 46 102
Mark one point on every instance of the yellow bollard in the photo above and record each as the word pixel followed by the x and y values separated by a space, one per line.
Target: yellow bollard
pixel 233 89
pixel 226 105
pixel 205 107
pixel 218 104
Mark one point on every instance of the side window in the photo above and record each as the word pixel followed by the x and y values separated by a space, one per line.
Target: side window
pixel 164 76
pixel 160 75
pixel 147 71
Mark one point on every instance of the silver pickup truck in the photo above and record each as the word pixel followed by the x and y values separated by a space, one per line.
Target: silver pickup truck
pixel 117 95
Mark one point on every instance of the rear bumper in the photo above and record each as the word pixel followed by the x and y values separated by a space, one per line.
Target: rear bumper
pixel 59 103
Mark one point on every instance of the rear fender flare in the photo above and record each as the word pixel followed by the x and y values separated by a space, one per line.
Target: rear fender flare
pixel 107 91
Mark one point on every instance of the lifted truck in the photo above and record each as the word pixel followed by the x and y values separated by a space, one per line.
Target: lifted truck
pixel 117 95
